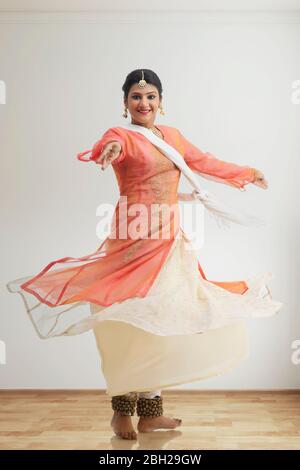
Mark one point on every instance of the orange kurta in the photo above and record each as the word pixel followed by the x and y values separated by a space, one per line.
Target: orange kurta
pixel 151 285
pixel 123 268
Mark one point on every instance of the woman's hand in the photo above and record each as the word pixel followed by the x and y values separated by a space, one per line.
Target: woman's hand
pixel 259 179
pixel 110 152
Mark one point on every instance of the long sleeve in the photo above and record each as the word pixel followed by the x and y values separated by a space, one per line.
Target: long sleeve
pixel 210 167
pixel 110 135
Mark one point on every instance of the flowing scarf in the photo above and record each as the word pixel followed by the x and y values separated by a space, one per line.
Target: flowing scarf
pixel 221 213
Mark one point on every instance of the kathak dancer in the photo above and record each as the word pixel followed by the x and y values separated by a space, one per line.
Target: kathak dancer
pixel 157 320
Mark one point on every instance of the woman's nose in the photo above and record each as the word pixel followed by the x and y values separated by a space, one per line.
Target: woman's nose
pixel 144 102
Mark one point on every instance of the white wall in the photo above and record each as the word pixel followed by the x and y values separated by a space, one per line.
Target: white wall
pixel 227 83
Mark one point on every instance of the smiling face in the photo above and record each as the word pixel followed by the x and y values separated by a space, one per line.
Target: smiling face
pixel 143 103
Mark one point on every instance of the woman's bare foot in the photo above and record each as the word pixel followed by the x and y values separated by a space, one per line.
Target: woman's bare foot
pixel 122 426
pixel 147 424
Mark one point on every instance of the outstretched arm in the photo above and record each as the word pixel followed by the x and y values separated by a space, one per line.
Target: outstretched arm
pixel 114 153
pixel 210 167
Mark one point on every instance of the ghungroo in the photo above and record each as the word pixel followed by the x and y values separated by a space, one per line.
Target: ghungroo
pixel 150 407
pixel 124 404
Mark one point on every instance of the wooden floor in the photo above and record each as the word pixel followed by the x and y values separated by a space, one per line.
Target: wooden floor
pixel 39 419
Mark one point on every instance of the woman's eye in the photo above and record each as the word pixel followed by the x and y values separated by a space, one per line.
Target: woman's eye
pixel 136 96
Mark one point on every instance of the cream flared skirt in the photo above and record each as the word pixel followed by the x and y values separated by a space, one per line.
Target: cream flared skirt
pixel 186 329
pixel 135 360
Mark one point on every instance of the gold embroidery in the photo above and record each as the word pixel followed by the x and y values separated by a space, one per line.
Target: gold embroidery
pixel 131 250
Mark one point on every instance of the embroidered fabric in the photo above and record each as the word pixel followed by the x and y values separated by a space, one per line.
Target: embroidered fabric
pixel 180 301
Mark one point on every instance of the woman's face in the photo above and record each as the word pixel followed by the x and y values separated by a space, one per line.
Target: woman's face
pixel 143 99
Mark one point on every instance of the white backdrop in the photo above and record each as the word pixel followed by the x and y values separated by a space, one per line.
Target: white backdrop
pixel 227 85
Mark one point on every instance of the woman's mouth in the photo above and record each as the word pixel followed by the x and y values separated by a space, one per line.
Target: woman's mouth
pixel 144 112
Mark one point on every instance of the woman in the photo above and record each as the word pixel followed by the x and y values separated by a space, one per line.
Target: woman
pixel 158 321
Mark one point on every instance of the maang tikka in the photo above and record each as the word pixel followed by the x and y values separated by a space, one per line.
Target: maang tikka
pixel 142 83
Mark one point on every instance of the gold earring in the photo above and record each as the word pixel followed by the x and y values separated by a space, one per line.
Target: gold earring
pixel 162 111
pixel 125 114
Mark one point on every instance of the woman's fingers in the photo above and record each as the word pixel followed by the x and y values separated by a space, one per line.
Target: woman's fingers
pixel 110 152
pixel 106 159
pixel 262 183
pixel 260 180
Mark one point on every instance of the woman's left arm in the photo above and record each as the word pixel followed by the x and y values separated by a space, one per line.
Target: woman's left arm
pixel 210 167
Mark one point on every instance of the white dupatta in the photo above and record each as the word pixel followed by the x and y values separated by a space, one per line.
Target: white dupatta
pixel 222 214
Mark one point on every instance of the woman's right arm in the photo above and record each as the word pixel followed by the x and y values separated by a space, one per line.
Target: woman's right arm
pixel 110 153
pixel 111 135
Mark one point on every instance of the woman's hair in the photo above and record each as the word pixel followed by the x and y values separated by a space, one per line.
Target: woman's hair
pixel 136 75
